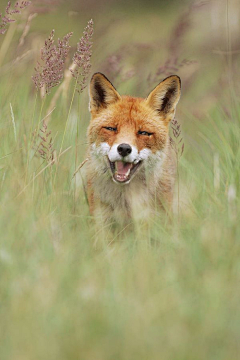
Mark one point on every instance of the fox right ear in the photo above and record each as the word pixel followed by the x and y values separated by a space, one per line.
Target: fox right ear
pixel 102 93
pixel 164 98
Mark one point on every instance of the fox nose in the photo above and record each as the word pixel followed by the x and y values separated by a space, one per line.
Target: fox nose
pixel 124 149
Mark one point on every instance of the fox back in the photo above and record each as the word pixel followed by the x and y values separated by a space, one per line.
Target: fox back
pixel 131 167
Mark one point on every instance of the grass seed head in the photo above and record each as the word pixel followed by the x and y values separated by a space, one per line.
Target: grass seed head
pixel 43 143
pixel 176 140
pixel 49 73
pixel 7 18
pixel 82 58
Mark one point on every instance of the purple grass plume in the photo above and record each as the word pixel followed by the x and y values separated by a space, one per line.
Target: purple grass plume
pixel 175 61
pixel 49 73
pixel 44 6
pixel 176 141
pixel 177 144
pixel 171 65
pixel 7 18
pixel 43 144
pixel 82 58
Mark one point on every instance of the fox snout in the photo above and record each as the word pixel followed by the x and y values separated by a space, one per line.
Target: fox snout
pixel 124 149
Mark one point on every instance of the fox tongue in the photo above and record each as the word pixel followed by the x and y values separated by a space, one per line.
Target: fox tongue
pixel 123 168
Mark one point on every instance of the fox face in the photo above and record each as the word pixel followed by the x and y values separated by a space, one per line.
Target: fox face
pixel 128 135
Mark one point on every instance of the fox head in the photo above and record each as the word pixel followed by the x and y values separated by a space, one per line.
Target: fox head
pixel 127 134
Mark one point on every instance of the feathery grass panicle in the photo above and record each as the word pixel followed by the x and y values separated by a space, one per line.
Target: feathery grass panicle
pixel 176 141
pixel 7 18
pixel 177 145
pixel 115 63
pixel 44 6
pixel 44 148
pixel 82 58
pixel 181 28
pixel 171 65
pixel 49 73
pixel 175 60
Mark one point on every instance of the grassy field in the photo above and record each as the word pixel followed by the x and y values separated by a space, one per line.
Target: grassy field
pixel 173 295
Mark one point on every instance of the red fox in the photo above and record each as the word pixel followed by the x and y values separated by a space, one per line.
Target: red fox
pixel 131 167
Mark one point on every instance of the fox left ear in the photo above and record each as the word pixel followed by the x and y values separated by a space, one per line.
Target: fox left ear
pixel 165 96
pixel 102 93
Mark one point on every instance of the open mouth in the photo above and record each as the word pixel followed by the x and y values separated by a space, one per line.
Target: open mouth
pixel 123 171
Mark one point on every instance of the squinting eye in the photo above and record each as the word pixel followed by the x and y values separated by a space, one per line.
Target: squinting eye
pixel 110 128
pixel 144 133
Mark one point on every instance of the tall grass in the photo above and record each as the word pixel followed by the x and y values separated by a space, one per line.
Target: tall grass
pixel 174 295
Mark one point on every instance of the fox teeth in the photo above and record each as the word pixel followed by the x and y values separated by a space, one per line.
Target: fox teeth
pixel 123 175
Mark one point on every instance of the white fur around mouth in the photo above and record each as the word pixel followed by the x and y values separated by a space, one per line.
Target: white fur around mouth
pixel 123 171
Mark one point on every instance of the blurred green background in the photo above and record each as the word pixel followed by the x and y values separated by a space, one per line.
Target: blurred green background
pixel 172 295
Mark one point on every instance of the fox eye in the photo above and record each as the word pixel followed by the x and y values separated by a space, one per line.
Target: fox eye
pixel 110 128
pixel 144 133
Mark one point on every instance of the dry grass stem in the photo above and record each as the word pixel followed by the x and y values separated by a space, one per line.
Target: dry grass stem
pixel 26 29
pixel 79 167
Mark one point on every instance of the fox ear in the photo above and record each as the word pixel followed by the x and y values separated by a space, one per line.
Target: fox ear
pixel 165 96
pixel 102 93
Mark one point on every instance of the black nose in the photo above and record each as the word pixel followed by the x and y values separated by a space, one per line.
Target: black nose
pixel 124 149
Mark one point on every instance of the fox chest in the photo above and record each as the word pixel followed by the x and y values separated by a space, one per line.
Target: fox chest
pixel 122 204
